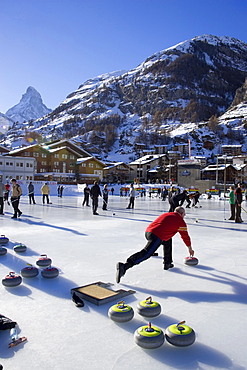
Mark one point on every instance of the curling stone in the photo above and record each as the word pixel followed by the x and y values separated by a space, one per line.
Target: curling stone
pixel 20 248
pixel 4 239
pixel 3 251
pixel 29 271
pixel 190 261
pixel 148 308
pixel 12 279
pixel 43 261
pixel 180 335
pixel 50 272
pixel 121 312
pixel 149 337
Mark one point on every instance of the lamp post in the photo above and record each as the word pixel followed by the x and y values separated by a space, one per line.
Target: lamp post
pixel 224 156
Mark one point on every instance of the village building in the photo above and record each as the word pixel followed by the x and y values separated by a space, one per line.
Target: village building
pixel 143 165
pixel 88 170
pixel 117 172
pixel 20 168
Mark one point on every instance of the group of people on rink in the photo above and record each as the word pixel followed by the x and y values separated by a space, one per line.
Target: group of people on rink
pixel 235 200
pixel 15 192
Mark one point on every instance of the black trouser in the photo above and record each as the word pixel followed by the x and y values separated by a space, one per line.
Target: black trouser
pixel 232 208
pixel 238 213
pixel 1 205
pixel 86 200
pixel 31 198
pixel 15 204
pixel 46 196
pixel 153 243
pixel 131 202
pixel 95 202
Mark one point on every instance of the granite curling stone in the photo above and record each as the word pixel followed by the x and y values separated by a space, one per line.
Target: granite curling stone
pixel 121 312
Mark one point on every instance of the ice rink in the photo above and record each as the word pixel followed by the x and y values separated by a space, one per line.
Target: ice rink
pixel 211 297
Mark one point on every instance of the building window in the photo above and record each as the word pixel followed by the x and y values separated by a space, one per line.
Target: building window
pixel 72 156
pixel 97 166
pixel 42 170
pixel 83 165
pixel 43 163
pixel 17 164
pixel 56 163
pixel 72 164
pixel 71 171
pixel 56 155
pixel 27 164
pixel 21 164
pixel 30 165
pixel 64 156
pixel 44 155
pixel 56 170
pixel 1 163
pixel 27 154
pixel 36 154
pixel 91 165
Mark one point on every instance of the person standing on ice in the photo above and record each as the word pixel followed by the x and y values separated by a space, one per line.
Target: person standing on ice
pixel 86 196
pixel 95 193
pixel 132 195
pixel 105 197
pixel 45 190
pixel 15 198
pixel 238 200
pixel 30 189
pixel 160 231
pixel 232 203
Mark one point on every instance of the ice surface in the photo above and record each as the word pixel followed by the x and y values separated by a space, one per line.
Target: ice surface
pixel 211 296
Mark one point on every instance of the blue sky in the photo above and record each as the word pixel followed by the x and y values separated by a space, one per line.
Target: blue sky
pixel 56 45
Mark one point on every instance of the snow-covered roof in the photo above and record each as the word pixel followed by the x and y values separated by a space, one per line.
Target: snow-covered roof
pixel 147 158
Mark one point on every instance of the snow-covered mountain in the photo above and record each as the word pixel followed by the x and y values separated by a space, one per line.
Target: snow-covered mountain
pixel 174 95
pixel 30 107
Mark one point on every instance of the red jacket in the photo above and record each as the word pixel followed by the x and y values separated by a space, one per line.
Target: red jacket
pixel 167 225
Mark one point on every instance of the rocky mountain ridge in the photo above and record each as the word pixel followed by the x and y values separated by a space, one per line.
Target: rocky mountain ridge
pixel 30 107
pixel 174 95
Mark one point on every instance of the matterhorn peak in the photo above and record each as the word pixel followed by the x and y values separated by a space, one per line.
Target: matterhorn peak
pixel 29 108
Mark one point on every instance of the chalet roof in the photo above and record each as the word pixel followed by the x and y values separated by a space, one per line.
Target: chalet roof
pixel 65 147
pixel 214 167
pixel 112 165
pixel 66 142
pixel 86 159
pixel 147 159
pixel 24 148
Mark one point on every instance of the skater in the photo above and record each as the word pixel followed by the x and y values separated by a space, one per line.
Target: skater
pixel 232 203
pixel 15 198
pixel 95 193
pixel 86 196
pixel 112 191
pixel 58 191
pixel 238 200
pixel 160 231
pixel 31 193
pixel 45 190
pixel 105 197
pixel 132 194
pixel 2 189
pixel 6 194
